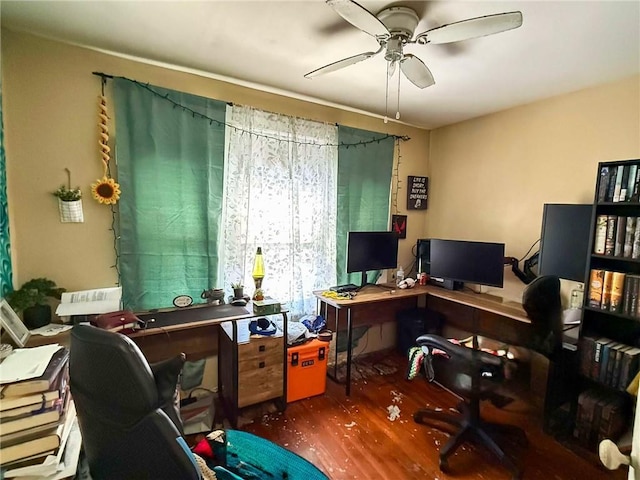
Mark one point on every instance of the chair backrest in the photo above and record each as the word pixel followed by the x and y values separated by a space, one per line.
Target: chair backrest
pixel 543 304
pixel 126 431
pixel 456 369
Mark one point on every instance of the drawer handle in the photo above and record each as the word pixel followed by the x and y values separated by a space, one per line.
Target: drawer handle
pixel 261 365
pixel 262 348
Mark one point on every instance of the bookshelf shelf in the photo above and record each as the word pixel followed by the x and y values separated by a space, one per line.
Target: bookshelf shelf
pixel 609 314
pixel 610 258
pixel 609 339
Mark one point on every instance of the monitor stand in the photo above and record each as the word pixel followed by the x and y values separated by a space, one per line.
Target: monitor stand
pixel 446 283
pixel 363 282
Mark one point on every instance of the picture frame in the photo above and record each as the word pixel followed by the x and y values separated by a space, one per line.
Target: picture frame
pixel 399 225
pixel 10 322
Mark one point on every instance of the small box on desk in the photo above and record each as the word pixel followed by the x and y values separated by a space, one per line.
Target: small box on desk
pixel 268 306
pixel 307 370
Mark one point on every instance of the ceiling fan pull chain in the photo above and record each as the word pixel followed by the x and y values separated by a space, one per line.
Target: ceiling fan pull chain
pixel 386 97
pixel 398 104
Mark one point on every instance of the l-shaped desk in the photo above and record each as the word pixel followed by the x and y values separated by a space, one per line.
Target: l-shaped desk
pixel 481 314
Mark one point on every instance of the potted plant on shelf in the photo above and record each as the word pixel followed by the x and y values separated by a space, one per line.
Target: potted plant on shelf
pixel 238 290
pixel 69 204
pixel 31 300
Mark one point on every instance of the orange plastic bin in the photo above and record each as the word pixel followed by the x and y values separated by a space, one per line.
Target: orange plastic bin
pixel 307 370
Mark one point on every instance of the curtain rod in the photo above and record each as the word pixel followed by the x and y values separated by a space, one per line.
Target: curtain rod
pixel 104 76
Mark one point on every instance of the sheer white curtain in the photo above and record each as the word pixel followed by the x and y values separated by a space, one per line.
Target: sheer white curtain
pixel 280 194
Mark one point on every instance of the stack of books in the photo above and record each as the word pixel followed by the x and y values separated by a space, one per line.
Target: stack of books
pixel 37 417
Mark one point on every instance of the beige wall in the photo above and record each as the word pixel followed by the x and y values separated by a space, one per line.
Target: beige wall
pixel 490 176
pixel 50 120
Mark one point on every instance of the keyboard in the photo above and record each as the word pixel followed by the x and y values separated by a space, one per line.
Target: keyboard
pixel 348 287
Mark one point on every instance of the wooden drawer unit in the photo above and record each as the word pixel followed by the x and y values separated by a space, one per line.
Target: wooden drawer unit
pixel 260 366
pixel 250 369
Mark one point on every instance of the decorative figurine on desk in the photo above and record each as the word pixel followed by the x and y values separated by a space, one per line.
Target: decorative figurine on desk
pixel 258 272
pixel 213 296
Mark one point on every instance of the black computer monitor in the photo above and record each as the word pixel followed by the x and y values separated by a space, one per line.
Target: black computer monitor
pixel 564 242
pixel 481 263
pixel 368 251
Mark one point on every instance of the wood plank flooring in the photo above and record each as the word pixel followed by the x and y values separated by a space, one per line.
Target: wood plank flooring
pixel 354 437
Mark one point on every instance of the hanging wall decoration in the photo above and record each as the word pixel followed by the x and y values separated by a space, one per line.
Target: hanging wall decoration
pixel 417 193
pixel 399 225
pixel 105 190
pixel 69 202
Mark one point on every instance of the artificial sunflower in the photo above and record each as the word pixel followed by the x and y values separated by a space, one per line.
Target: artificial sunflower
pixel 106 190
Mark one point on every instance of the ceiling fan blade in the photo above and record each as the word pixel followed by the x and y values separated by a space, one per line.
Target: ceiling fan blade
pixel 471 28
pixel 416 71
pixel 359 17
pixel 345 62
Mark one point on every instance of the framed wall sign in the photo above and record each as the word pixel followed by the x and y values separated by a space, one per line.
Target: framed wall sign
pixel 10 322
pixel 417 192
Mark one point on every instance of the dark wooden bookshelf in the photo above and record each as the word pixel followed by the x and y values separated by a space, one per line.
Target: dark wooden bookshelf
pixel 602 322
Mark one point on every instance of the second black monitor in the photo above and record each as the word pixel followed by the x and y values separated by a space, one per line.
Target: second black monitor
pixel 564 244
pixel 481 263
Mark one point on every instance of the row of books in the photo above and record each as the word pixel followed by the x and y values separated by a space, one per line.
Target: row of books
pixel 619 183
pixel 600 415
pixel 37 417
pixel 617 236
pixel 610 363
pixel 616 292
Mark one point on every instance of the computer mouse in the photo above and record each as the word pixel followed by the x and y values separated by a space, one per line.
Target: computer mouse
pixel 239 302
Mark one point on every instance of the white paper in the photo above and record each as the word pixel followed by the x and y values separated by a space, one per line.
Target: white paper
pixel 26 363
pixel 51 330
pixel 89 302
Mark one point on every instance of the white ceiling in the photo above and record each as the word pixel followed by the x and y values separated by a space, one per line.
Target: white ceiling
pixel 562 46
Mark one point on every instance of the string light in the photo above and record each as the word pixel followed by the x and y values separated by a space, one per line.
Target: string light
pixel 396 177
pixel 219 123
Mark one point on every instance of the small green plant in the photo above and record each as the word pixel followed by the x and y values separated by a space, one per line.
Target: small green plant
pixel 237 285
pixel 67 194
pixel 32 293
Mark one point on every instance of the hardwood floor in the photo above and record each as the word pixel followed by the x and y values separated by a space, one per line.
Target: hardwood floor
pixel 354 437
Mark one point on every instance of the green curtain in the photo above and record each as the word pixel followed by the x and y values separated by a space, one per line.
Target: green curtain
pixel 364 186
pixel 6 283
pixel 170 170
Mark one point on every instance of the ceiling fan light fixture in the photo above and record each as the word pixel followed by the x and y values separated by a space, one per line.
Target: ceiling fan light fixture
pixel 394 50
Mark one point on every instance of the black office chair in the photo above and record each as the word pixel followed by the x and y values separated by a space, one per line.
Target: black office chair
pixel 472 375
pixel 543 304
pixel 126 408
pixel 131 426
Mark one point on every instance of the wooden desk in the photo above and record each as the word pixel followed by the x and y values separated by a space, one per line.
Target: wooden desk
pixel 195 331
pixel 191 330
pixel 481 314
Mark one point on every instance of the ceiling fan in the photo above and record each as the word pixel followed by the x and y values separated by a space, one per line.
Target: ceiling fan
pixel 394 27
